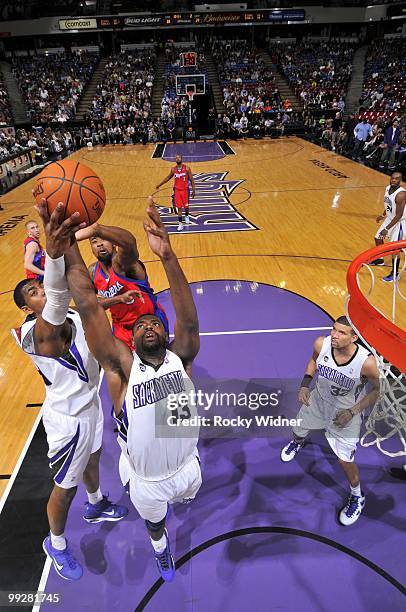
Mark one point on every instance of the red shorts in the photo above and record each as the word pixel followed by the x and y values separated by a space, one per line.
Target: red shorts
pixel 124 334
pixel 181 198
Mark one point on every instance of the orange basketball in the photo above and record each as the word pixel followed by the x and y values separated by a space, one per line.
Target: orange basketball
pixel 75 185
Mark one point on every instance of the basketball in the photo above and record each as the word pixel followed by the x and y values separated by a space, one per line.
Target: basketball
pixel 75 185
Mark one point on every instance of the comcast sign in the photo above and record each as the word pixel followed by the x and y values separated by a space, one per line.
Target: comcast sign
pixel 77 24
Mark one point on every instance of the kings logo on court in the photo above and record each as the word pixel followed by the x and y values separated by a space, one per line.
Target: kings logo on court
pixel 211 210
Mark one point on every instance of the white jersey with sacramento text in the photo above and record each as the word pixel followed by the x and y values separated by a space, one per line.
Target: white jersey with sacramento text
pixel 155 448
pixel 340 385
pixel 390 203
pixel 71 381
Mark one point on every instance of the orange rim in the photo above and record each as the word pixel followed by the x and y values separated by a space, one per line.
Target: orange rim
pixel 384 336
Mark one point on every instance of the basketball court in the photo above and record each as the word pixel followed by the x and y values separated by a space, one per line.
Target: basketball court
pixel 274 227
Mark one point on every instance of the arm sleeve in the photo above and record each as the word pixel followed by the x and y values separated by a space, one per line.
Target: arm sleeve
pixel 57 291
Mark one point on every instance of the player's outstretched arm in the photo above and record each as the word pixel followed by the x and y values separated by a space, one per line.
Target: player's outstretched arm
pixel 186 343
pixel 166 179
pixel 112 354
pixel 127 256
pixel 52 333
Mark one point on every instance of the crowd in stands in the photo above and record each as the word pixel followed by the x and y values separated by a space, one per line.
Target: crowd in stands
pixel 52 86
pixel 256 125
pixel 252 103
pixel 124 94
pixel 5 107
pixel 318 72
pixel 380 143
pixel 11 9
pixel 384 87
pixel 44 142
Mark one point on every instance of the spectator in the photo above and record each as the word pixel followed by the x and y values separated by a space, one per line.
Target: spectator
pixel 362 131
pixel 391 145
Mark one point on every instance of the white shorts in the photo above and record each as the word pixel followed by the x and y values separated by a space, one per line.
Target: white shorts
pixel 319 415
pixel 71 441
pixel 151 498
pixel 395 233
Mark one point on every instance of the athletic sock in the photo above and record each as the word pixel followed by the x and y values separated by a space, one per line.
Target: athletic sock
pixel 356 490
pixel 95 497
pixel 58 541
pixel 159 545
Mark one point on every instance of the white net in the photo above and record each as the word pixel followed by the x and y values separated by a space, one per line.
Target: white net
pixel 385 425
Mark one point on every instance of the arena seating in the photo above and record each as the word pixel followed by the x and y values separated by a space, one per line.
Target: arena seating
pixel 384 87
pixel 53 85
pixel 244 77
pixel 319 72
pixel 6 116
pixel 125 91
pixel 44 142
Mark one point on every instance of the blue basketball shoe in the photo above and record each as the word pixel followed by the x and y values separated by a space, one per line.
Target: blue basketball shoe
pixel 104 510
pixel 64 562
pixel 165 562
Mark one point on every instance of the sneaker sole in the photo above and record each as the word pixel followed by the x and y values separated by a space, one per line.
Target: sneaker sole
pixel 56 567
pixel 102 519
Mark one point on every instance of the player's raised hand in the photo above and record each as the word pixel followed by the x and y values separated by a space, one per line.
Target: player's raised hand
pixel 59 233
pixel 304 396
pixel 157 235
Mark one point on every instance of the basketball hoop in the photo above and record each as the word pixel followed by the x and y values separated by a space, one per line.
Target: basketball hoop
pixel 387 342
pixel 190 94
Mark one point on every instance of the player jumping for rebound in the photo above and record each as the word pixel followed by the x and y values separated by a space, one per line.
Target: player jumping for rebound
pixel 336 404
pixel 159 455
pixel 120 278
pixel 182 175
pixel 53 336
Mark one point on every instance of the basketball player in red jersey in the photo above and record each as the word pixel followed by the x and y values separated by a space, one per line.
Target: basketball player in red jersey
pixel 34 254
pixel 121 279
pixel 182 174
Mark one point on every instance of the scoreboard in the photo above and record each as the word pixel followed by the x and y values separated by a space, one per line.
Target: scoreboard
pixel 265 16
pixel 188 60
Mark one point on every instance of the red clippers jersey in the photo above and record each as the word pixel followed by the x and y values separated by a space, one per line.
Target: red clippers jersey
pixel 125 315
pixel 38 261
pixel 181 178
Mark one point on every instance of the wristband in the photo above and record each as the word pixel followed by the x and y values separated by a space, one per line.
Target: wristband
pixel 306 380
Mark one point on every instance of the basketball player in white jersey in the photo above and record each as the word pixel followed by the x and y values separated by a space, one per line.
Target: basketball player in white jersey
pixel 336 403
pixel 160 460
pixel 53 337
pixel 394 221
